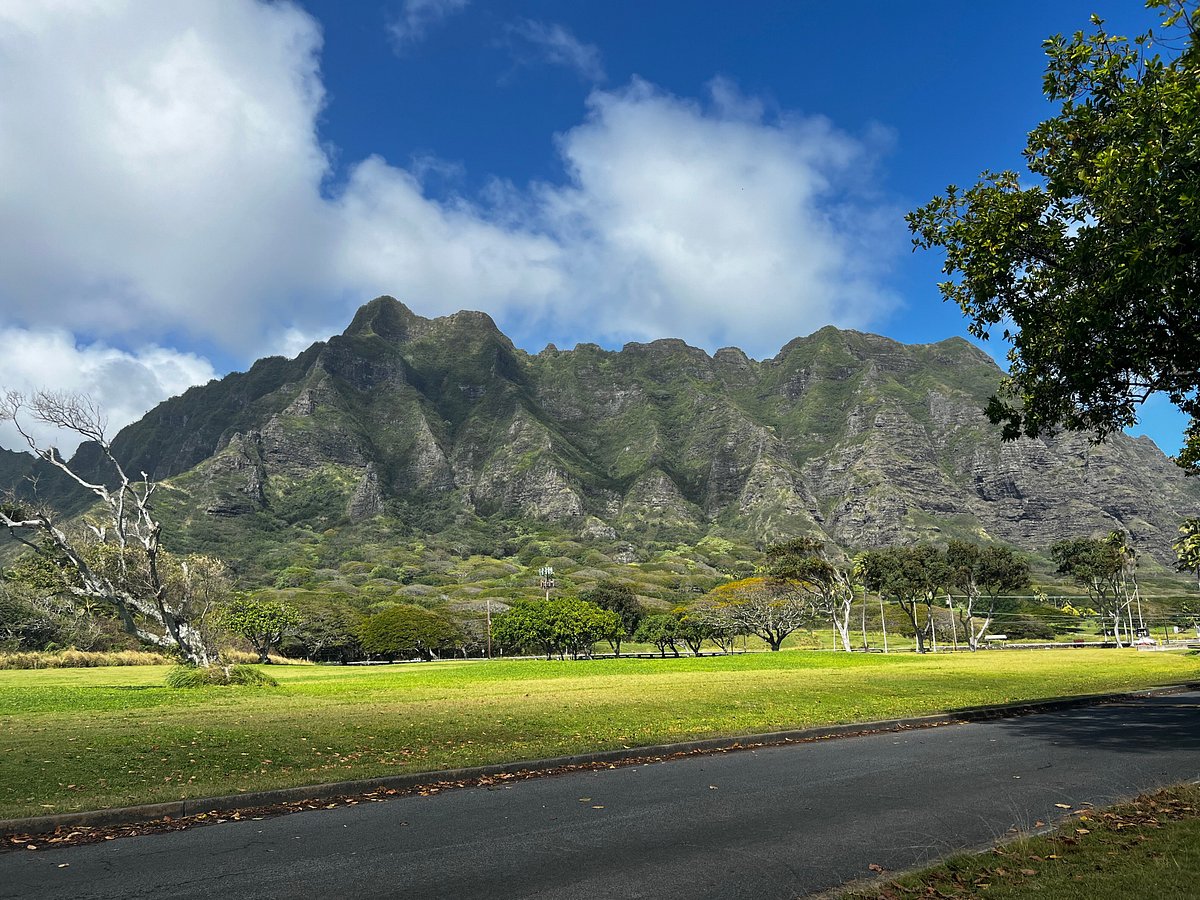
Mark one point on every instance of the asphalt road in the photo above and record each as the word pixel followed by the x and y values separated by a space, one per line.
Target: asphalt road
pixel 774 822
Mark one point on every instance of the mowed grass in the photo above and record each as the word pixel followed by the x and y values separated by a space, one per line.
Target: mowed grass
pixel 74 739
pixel 1148 847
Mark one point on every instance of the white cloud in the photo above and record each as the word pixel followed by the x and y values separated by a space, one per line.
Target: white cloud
pixel 716 224
pixel 555 44
pixel 163 186
pixel 410 25
pixel 125 384
pixel 392 239
pixel 161 166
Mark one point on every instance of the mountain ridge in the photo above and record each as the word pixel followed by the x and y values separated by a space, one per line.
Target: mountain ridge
pixel 425 422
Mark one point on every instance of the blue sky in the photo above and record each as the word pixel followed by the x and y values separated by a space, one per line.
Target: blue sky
pixel 193 186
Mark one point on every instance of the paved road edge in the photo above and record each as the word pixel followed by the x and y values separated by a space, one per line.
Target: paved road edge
pixel 179 809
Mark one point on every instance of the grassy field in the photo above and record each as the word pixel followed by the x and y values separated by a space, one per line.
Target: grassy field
pixel 73 739
pixel 1149 847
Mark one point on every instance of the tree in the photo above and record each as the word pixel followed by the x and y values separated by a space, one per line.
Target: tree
pixel 118 560
pixel 24 623
pixel 261 621
pixel 1128 588
pixel 328 630
pixel 693 629
pixel 1093 270
pixel 405 630
pixel 661 630
pixel 1187 548
pixel 909 576
pixel 983 574
pixel 803 563
pixel 560 626
pixel 1096 565
pixel 617 598
pixel 760 606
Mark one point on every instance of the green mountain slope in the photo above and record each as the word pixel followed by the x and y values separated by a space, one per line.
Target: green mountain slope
pixel 403 426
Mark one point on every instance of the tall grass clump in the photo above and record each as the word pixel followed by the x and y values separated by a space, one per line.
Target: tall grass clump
pixel 81 659
pixel 201 676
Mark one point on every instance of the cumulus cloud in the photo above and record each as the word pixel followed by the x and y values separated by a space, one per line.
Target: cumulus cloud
pixel 164 177
pixel 124 383
pixel 161 166
pixel 415 17
pixel 714 223
pixel 555 44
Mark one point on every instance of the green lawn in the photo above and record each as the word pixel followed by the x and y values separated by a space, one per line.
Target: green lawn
pixel 73 739
pixel 1149 847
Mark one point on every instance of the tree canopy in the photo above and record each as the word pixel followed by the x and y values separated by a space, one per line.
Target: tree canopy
pixel 1187 548
pixel 406 630
pixel 1099 566
pixel 771 608
pixel 560 626
pixel 116 558
pixel 1092 269
pixel 983 573
pixel 261 621
pixel 618 598
pixel 910 576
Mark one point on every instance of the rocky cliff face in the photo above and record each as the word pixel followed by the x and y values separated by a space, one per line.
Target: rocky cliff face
pixel 852 435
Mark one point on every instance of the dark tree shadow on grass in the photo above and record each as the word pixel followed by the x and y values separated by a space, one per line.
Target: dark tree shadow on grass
pixel 1151 724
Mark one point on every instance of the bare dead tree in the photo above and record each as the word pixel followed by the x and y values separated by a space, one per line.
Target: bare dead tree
pixel 123 567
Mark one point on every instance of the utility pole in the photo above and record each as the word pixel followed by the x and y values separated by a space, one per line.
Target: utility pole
pixel 932 626
pixel 489 624
pixel 864 619
pixel 547 576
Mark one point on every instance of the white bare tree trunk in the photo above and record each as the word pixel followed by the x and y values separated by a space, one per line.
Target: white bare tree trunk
pixel 127 524
pixel 842 604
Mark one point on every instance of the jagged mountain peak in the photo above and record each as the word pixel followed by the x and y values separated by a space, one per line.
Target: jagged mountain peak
pixel 441 420
pixel 390 319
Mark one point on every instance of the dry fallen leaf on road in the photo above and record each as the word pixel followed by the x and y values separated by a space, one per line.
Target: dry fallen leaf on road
pixel 1063 805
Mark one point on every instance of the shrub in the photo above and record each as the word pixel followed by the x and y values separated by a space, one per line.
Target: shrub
pixel 1026 628
pixel 200 676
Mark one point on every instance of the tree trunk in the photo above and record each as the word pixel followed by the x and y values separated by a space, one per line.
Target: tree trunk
pixel 911 611
pixel 843 631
